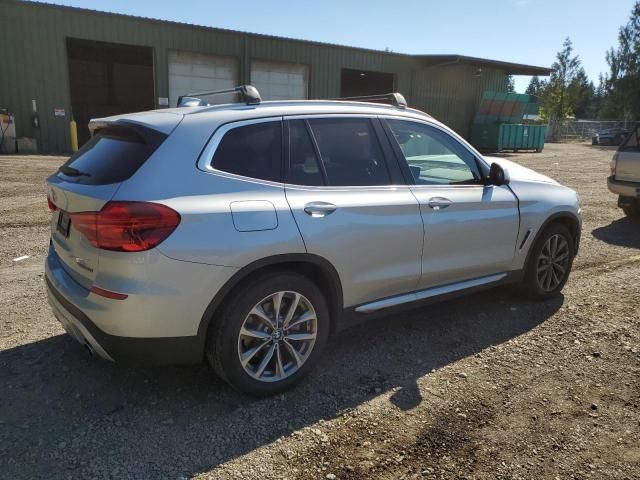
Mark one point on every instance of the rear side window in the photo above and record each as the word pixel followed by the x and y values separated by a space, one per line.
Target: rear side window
pixel 112 155
pixel 350 152
pixel 253 151
pixel 633 141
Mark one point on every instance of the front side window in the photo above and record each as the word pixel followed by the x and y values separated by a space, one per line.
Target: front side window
pixel 253 151
pixel 433 157
pixel 349 151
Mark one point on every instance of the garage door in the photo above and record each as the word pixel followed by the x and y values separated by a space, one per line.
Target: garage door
pixel 191 72
pixel 280 81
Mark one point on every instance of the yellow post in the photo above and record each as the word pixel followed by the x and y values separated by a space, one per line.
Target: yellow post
pixel 73 131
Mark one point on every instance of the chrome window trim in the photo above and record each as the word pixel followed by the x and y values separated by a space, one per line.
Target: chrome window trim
pixel 206 157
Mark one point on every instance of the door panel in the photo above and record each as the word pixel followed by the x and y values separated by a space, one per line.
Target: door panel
pixel 470 228
pixel 338 187
pixel 371 235
pixel 470 231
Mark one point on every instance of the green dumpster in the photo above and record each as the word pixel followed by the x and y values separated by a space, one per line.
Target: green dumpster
pixel 497 125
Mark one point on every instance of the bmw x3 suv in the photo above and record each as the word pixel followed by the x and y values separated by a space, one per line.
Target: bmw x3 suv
pixel 245 234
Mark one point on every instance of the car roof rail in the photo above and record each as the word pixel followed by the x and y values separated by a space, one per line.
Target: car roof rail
pixel 396 99
pixel 248 93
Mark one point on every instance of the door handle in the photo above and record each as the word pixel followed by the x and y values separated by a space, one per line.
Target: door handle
pixel 438 203
pixel 319 209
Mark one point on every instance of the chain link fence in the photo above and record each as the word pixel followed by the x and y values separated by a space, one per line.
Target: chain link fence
pixel 580 130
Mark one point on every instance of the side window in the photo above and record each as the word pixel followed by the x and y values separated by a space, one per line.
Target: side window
pixel 252 151
pixel 433 157
pixel 350 152
pixel 303 162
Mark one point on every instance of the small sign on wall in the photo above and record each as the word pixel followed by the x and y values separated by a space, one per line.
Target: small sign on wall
pixel 163 101
pixel 59 112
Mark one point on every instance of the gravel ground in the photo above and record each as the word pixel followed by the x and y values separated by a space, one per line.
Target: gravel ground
pixel 491 386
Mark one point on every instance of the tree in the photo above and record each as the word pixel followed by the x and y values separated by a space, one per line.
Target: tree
pixel 585 93
pixel 623 85
pixel 535 86
pixel 510 84
pixel 560 93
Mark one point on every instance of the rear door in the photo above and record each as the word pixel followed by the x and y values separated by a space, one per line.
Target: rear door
pixel 352 206
pixel 628 164
pixel 87 181
pixel 470 228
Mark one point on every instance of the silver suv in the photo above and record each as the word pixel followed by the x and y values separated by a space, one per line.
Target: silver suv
pixel 247 233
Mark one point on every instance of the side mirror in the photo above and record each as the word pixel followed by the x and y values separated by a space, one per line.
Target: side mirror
pixel 498 175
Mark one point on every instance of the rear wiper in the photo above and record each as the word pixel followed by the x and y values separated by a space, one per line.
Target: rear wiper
pixel 73 172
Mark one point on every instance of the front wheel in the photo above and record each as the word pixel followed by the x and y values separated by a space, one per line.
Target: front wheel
pixel 269 333
pixel 549 263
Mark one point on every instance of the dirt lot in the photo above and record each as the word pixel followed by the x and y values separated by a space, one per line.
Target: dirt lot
pixel 492 386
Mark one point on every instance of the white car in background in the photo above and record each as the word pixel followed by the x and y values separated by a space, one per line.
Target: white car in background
pixel 625 174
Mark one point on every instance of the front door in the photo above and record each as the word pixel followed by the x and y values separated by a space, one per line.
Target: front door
pixel 470 228
pixel 342 194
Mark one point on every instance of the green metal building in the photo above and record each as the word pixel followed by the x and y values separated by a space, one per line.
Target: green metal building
pixel 60 61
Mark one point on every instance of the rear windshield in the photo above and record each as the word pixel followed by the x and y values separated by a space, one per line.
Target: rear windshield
pixel 112 155
pixel 633 141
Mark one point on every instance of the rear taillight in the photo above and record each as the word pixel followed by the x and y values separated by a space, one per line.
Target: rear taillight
pixel 613 164
pixel 127 226
pixel 51 205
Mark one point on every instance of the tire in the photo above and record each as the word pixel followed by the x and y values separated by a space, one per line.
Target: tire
pixel 632 211
pixel 540 286
pixel 262 374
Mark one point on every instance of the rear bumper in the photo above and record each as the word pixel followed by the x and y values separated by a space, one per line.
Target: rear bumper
pixel 141 351
pixel 625 189
pixel 66 297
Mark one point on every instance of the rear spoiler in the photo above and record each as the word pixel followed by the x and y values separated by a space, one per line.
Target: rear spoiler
pixel 163 122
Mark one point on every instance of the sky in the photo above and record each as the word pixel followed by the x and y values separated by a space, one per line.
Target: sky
pixel 521 31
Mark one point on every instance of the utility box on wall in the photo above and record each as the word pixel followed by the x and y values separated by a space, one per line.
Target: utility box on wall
pixel 497 125
pixel 7 132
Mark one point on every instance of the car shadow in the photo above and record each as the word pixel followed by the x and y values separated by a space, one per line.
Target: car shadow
pixel 623 232
pixel 65 414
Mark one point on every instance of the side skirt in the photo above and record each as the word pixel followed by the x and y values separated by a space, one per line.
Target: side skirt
pixel 401 303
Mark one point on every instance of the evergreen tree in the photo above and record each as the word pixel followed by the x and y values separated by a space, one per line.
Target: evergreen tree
pixel 535 86
pixel 623 85
pixel 584 92
pixel 560 94
pixel 510 84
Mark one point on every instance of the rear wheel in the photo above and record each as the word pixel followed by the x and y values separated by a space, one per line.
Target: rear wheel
pixel 269 333
pixel 632 210
pixel 549 264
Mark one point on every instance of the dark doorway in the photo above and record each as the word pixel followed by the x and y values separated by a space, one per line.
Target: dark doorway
pixel 108 79
pixel 354 83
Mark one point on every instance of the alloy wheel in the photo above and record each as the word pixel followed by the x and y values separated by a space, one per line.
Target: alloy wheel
pixel 277 336
pixel 553 263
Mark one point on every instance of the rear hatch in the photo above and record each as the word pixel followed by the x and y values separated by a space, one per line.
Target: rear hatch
pixel 87 181
pixel 628 158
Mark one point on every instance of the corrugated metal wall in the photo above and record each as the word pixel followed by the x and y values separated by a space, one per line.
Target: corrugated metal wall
pixel 33 65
